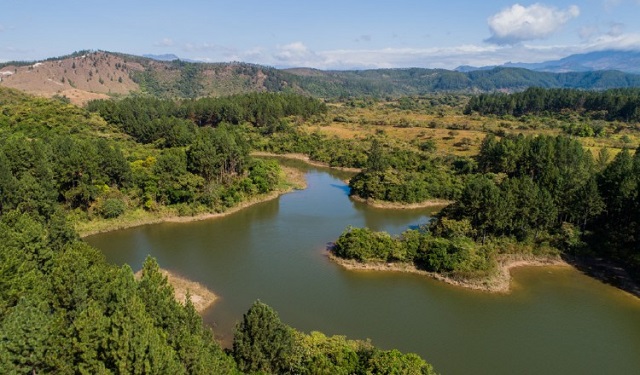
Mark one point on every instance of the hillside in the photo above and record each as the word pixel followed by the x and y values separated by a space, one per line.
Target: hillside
pixel 87 75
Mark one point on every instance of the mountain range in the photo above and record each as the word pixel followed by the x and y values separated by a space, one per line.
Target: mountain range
pixel 623 61
pixel 87 75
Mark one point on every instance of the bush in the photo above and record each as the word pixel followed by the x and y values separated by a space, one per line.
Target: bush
pixel 112 208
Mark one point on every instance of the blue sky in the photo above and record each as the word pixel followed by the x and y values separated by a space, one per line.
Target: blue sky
pixel 326 34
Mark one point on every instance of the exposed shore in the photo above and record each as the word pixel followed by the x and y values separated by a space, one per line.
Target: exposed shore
pixel 402 206
pixel 303 158
pixel 201 297
pixel 294 181
pixel 498 282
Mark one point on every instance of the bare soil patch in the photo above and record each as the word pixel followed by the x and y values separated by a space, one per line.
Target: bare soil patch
pixel 402 206
pixel 497 282
pixel 201 297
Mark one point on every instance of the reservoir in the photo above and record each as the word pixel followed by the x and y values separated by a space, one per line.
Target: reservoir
pixel 555 320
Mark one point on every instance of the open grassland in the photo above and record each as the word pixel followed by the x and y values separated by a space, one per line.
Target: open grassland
pixel 452 132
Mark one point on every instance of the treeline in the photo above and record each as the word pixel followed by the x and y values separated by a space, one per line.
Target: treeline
pixel 611 105
pixel 171 124
pixel 419 81
pixel 64 310
pixel 263 344
pixel 536 193
pixel 95 177
pixel 403 175
pixel 53 154
pixel 336 152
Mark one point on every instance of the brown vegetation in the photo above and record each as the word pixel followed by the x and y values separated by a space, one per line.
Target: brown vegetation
pixel 92 76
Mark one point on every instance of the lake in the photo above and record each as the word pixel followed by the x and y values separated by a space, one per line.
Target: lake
pixel 555 321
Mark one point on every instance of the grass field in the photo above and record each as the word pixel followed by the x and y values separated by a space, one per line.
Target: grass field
pixel 451 131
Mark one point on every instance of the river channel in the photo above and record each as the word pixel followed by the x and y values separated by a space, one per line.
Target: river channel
pixel 555 320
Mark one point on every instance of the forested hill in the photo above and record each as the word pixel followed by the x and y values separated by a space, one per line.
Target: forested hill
pixel 398 82
pixel 87 75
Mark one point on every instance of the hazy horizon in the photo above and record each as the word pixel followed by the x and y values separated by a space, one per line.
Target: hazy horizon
pixel 323 34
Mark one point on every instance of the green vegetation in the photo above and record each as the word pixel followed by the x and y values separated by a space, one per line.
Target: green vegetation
pixel 405 176
pixel 452 253
pixel 541 192
pixel 417 81
pixel 611 105
pixel 64 310
pixel 263 344
pixel 155 155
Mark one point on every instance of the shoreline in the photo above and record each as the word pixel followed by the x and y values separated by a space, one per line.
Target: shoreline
pixel 294 179
pixel 304 158
pixel 498 282
pixel 201 297
pixel 429 203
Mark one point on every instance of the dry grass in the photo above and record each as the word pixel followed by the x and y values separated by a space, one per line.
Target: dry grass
pixel 450 130
pixel 92 76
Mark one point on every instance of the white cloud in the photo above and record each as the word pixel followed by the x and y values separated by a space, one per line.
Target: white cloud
pixel 619 42
pixel 296 54
pixel 165 42
pixel 520 23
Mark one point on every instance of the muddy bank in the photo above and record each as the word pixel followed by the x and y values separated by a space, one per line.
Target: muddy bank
pixel 498 282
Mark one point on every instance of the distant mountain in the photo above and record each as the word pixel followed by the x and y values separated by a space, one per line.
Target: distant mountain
pixel 87 75
pixel 624 61
pixel 417 81
pixel 165 57
pixel 168 57
pixel 469 68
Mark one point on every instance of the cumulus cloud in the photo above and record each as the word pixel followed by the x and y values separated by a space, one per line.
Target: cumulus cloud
pixel 165 42
pixel 523 23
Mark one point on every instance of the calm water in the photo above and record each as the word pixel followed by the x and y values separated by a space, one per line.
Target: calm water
pixel 556 321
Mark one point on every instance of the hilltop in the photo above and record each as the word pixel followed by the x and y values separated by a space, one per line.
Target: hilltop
pixel 87 75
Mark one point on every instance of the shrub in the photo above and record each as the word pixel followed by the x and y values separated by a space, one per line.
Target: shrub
pixel 112 208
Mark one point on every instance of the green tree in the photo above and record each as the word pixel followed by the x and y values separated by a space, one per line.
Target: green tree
pixel 262 342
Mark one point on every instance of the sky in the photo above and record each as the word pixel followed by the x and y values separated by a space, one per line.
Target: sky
pixel 328 34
